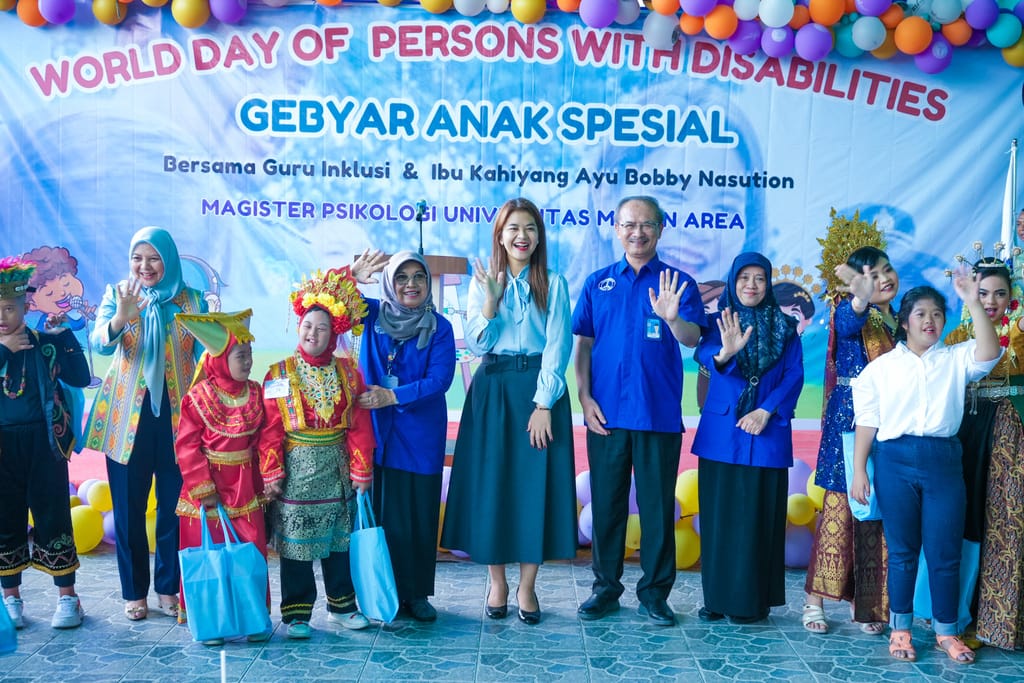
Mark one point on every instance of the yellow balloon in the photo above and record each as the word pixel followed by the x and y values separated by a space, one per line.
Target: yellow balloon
pixel 528 11
pixel 1014 55
pixel 7 5
pixel 440 525
pixel 75 502
pixel 799 509
pixel 687 545
pixel 888 48
pixel 31 521
pixel 390 3
pixel 190 13
pixel 813 524
pixel 815 492
pixel 436 6
pixel 154 3
pixel 633 532
pixel 87 524
pixel 99 496
pixel 109 12
pixel 151 502
pixel 150 530
pixel 686 492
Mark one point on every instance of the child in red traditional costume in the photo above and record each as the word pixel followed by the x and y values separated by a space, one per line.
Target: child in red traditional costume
pixel 222 421
pixel 327 440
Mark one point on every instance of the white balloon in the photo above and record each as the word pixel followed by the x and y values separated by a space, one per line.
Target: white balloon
pixel 470 8
pixel 868 33
pixel 746 9
pixel 946 11
pixel 275 3
pixel 497 6
pixel 775 13
pixel 660 32
pixel 628 12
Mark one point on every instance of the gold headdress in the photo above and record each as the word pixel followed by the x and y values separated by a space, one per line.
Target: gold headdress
pixel 845 235
pixel 1015 266
pixel 15 273
pixel 335 291
pixel 214 330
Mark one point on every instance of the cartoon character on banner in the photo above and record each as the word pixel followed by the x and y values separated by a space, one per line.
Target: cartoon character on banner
pixel 200 275
pixel 59 299
pixel 791 285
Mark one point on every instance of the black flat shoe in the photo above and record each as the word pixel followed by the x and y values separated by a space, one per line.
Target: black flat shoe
pixel 526 616
pixel 748 620
pixel 707 615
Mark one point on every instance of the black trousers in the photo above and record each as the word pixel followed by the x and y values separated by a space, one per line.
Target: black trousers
pixel 32 477
pixel 408 506
pixel 653 458
pixel 298 587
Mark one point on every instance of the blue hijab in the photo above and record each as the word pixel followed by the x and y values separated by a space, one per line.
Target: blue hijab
pixel 159 311
pixel 772 328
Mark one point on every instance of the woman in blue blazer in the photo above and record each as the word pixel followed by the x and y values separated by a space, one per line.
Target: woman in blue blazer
pixel 744 442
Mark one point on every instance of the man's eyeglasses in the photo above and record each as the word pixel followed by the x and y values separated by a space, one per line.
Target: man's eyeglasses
pixel 646 226
pixel 418 279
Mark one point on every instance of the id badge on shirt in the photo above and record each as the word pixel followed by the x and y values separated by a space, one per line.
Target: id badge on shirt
pixel 652 329
pixel 389 382
pixel 275 388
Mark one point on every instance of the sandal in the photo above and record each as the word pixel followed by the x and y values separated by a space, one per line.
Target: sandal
pixel 169 609
pixel 813 619
pixel 955 649
pixel 901 646
pixel 872 628
pixel 135 611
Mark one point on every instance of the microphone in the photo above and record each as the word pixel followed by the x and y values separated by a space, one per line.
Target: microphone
pixel 421 209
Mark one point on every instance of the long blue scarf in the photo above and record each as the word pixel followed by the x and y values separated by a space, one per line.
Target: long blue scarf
pixel 159 311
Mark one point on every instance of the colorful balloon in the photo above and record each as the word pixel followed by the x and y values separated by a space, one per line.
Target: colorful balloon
pixel 633 532
pixel 583 487
pixel 687 545
pixel 586 525
pixel 190 13
pixel 528 11
pixel 721 22
pixel 746 10
pixel 776 13
pixel 229 11
pixel 945 11
pixel 686 491
pixel 872 8
pixel 699 8
pixel 868 33
pixel 981 13
pixel 936 57
pixel 747 38
pixel 87 524
pixel 826 12
pixel 57 11
pixel 691 25
pixel 799 509
pixel 799 540
pixel 815 492
pixel 660 31
pixel 629 11
pixel 1002 34
pixel 1014 55
pixel 598 13
pixel 913 35
pixel 28 12
pixel 778 42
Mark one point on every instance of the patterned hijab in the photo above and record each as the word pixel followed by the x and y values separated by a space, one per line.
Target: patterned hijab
pixel 772 327
pixel 159 311
pixel 397 321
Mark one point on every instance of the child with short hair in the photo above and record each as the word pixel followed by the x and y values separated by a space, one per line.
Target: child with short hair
pixel 36 438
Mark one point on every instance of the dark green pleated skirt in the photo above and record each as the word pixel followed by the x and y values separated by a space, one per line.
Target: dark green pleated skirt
pixel 507 501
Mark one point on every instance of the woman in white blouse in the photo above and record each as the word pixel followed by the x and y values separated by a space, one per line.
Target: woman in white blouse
pixel 909 402
pixel 512 491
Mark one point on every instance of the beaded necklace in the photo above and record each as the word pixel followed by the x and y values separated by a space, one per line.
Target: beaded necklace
pixel 21 388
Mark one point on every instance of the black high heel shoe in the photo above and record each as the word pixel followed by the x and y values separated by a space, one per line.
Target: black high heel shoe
pixel 527 617
pixel 499 612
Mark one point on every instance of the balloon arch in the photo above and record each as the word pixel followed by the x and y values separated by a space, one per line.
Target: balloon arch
pixel 927 30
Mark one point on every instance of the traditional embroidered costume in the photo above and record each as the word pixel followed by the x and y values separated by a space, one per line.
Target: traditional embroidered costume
pixel 36 438
pixel 222 422
pixel 327 440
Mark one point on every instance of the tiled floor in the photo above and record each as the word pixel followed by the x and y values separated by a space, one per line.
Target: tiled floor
pixel 466 646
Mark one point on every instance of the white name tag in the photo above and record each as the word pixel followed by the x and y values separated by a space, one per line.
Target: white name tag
pixel 275 388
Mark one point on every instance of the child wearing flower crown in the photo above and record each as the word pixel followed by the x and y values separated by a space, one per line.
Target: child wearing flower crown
pixel 222 422
pixel 36 438
pixel 327 440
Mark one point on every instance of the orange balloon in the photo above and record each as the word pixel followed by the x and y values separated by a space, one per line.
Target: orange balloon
pixel 721 22
pixel 801 17
pixel 528 11
pixel 390 3
pixel 913 35
pixel 849 6
pixel 957 32
pixel 666 7
pixel 887 50
pixel 436 6
pixel 826 12
pixel 691 25
pixel 28 12
pixel 569 5
pixel 328 3
pixel 892 16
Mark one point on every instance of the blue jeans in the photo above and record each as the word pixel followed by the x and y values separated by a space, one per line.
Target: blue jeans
pixel 921 494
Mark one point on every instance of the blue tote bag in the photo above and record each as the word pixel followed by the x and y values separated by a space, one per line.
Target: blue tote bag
pixel 8 636
pixel 860 511
pixel 372 574
pixel 225 585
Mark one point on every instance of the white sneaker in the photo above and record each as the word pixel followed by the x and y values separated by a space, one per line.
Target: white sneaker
pixel 69 612
pixel 16 610
pixel 353 621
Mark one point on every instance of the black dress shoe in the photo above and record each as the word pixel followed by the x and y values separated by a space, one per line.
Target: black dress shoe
pixel 748 620
pixel 527 617
pixel 597 606
pixel 499 612
pixel 658 612
pixel 421 610
pixel 707 615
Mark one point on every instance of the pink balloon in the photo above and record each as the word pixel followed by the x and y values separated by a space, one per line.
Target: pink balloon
pixel 598 13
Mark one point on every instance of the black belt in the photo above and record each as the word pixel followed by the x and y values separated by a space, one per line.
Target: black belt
pixel 520 362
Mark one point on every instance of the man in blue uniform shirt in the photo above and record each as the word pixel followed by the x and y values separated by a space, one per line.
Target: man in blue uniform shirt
pixel 629 321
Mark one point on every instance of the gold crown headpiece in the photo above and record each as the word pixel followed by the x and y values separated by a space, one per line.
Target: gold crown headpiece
pixel 335 291
pixel 845 235
pixel 15 272
pixel 796 275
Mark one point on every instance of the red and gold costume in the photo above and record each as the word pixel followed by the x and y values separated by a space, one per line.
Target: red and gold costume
pixel 222 423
